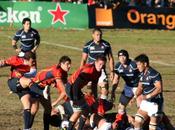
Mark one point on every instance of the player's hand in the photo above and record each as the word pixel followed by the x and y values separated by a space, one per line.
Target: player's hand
pixel 114 125
pixel 18 50
pixel 33 50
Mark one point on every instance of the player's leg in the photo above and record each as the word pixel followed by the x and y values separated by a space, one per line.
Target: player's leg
pixel 47 111
pixel 123 101
pixel 28 83
pixel 140 118
pixel 34 109
pixel 25 99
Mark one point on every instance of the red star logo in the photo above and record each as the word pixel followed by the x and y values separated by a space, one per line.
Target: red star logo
pixel 58 14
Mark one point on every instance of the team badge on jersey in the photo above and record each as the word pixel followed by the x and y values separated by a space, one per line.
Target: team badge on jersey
pixel 92 48
pixel 102 47
pixel 121 70
pixel 31 35
pixel 23 36
pixel 130 70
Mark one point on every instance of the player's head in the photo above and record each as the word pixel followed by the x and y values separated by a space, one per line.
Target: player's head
pixel 65 63
pixel 100 62
pixel 30 57
pixel 26 22
pixel 142 62
pixel 97 34
pixel 123 56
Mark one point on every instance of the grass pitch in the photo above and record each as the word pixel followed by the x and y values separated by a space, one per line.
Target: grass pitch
pixel 158 45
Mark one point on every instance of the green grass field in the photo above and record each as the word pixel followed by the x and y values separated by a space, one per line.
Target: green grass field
pixel 158 45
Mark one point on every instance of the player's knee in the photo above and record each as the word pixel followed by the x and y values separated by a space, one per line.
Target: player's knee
pixel 152 126
pixel 139 119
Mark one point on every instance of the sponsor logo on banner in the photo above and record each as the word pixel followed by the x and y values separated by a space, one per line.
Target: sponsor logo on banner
pixel 15 16
pixel 104 17
pixel 58 15
pixel 136 17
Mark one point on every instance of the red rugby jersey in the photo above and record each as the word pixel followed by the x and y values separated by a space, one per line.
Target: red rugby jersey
pixel 18 67
pixel 48 76
pixel 90 74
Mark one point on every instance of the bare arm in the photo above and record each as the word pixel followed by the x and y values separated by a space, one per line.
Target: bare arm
pixel 115 83
pixel 139 90
pixel 14 45
pixel 62 93
pixel 111 65
pixel 2 63
pixel 83 59
pixel 158 89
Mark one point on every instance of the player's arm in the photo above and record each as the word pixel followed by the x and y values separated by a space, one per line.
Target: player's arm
pixel 84 55
pixel 15 47
pixel 10 62
pixel 31 73
pixel 115 83
pixel 111 65
pixel 61 92
pixel 15 40
pixel 76 86
pixel 83 59
pixel 2 63
pixel 37 42
pixel 139 90
pixel 157 90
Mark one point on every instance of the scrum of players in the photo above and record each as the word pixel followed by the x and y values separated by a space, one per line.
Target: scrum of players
pixel 76 108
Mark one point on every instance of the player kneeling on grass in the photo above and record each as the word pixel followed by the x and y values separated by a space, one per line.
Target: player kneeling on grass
pixel 20 67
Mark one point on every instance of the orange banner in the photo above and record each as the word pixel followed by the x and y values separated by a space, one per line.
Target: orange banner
pixel 104 17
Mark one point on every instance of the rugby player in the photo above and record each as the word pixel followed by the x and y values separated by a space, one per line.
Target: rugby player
pixel 151 88
pixel 20 67
pixel 78 80
pixel 127 69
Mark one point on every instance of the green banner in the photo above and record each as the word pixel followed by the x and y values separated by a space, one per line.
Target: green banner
pixel 44 14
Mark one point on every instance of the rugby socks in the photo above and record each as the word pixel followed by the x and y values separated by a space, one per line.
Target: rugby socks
pixel 81 123
pixel 71 125
pixel 46 121
pixel 31 120
pixel 26 116
pixel 34 88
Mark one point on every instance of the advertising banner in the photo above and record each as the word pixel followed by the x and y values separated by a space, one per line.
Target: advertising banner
pixel 44 14
pixel 145 18
pixel 104 17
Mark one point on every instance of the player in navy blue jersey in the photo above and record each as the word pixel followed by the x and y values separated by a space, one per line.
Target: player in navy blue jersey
pixel 150 87
pixel 127 69
pixel 93 48
pixel 29 38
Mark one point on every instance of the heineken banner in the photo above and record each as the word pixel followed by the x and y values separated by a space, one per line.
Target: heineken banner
pixel 44 14
pixel 145 18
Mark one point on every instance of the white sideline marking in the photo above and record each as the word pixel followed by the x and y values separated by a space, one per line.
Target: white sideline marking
pixel 79 49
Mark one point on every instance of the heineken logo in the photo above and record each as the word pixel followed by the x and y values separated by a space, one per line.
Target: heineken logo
pixel 58 15
pixel 15 16
pixel 11 15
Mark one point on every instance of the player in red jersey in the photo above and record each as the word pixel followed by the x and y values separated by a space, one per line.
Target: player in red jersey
pixel 20 67
pixel 79 79
pixel 56 76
